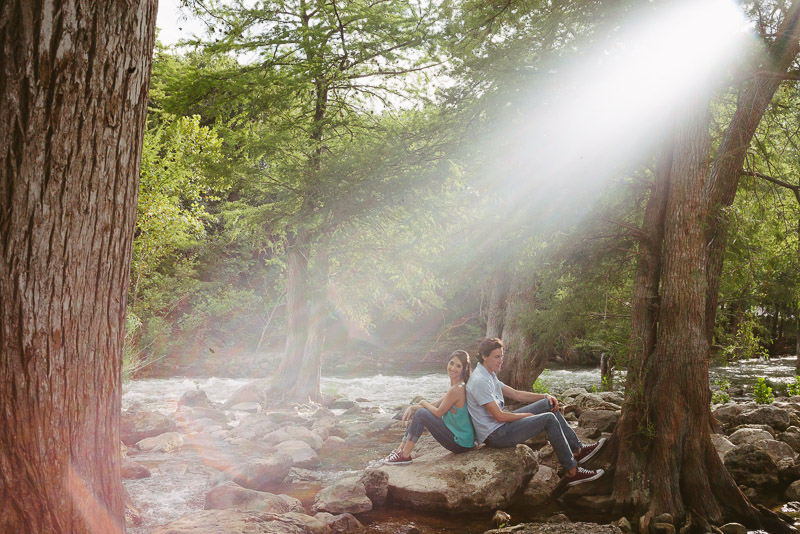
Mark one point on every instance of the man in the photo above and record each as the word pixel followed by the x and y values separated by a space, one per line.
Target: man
pixel 497 428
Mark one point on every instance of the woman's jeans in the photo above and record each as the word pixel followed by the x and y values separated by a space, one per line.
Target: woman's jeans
pixel 559 433
pixel 424 419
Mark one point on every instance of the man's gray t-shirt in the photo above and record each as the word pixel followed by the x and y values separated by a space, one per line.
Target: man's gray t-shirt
pixel 483 387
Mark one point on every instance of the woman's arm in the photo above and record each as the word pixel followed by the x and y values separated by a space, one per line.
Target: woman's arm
pixel 445 403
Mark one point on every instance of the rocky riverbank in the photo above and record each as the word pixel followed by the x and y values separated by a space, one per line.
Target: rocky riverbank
pixel 262 467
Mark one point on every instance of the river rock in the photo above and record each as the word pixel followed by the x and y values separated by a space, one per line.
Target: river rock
pixel 347 495
pixel 131 470
pixel 792 437
pixel 603 420
pixel 482 480
pixel 793 491
pixel 248 407
pixel 302 454
pixel 230 495
pixel 189 413
pixel 294 433
pixel 262 473
pixel 733 528
pixel 250 392
pixel 765 428
pixel 341 523
pixel 722 444
pixel 751 466
pixel 376 484
pixel 167 442
pixel 538 490
pixel 136 425
pixel 557 528
pixel 252 427
pixel 195 397
pixel 585 400
pixel 780 452
pixel 333 443
pixel 773 416
pixel 745 435
pixel 244 522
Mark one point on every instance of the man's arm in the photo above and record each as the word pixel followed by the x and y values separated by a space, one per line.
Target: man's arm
pixel 503 417
pixel 528 396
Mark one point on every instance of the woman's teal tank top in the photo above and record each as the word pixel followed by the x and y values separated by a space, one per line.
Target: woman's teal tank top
pixel 460 425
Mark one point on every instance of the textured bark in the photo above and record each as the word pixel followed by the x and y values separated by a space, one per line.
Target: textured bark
pixel 497 294
pixel 727 169
pixel 307 385
pixel 296 313
pixel 519 368
pixel 73 83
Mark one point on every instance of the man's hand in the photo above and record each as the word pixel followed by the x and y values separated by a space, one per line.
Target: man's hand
pixel 553 402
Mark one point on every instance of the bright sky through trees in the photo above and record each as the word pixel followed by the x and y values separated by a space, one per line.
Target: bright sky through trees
pixel 602 112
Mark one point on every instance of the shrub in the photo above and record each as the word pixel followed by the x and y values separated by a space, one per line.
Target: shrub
pixel 762 392
pixel 542 383
pixel 721 396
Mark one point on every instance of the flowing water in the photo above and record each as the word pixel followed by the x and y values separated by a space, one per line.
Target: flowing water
pixel 181 479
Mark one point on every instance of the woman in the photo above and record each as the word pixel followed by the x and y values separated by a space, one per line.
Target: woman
pixel 446 419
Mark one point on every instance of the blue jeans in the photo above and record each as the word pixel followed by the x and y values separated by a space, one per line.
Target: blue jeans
pixel 424 419
pixel 559 433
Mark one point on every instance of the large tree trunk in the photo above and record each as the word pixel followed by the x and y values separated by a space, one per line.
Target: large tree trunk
pixel 307 386
pixel 73 83
pixel 497 295
pixel 296 313
pixel 520 367
pixel 668 463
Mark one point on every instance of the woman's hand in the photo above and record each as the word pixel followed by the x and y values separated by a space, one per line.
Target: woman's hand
pixel 409 413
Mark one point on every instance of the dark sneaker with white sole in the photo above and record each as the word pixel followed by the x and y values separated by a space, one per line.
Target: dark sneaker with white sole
pixel 395 459
pixel 586 452
pixel 582 475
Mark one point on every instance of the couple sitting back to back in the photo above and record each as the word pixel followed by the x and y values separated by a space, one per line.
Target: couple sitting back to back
pixel 484 396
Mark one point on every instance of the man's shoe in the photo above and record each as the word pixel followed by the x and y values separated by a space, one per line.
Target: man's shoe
pixel 395 459
pixel 582 475
pixel 586 452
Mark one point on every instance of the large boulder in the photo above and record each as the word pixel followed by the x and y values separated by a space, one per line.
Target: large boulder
pixel 250 392
pixel 751 466
pixel 745 435
pixel 167 442
pixel 244 522
pixel 602 420
pixel 540 487
pixel 253 428
pixel 792 437
pixel 230 495
pixel 557 528
pixel 482 480
pixel 133 470
pixel 346 496
pixel 262 473
pixel 733 415
pixel 302 454
pixel 722 444
pixel 341 523
pixel 195 397
pixel 136 425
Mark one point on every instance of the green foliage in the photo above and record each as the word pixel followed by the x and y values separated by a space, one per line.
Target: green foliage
pixel 721 395
pixel 747 342
pixel 793 388
pixel 542 383
pixel 763 392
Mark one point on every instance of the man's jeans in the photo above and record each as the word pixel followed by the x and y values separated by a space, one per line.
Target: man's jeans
pixel 559 433
pixel 424 419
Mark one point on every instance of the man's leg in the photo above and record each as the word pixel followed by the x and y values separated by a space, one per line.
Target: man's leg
pixel 520 431
pixel 543 406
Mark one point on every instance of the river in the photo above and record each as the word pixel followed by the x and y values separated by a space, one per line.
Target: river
pixel 178 486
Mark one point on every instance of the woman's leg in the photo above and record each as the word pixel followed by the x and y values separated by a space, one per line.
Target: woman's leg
pixel 424 419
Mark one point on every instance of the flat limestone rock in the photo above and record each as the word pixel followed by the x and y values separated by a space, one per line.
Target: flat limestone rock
pixel 244 522
pixel 480 480
pixel 557 528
